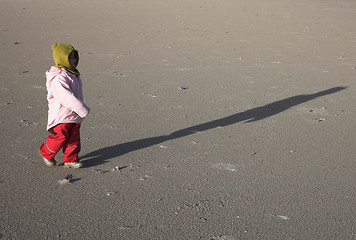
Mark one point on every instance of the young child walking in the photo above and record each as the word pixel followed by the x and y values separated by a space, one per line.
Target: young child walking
pixel 66 109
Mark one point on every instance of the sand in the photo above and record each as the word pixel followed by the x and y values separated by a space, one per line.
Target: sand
pixel 209 119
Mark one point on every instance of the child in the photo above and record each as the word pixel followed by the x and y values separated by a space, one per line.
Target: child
pixel 66 107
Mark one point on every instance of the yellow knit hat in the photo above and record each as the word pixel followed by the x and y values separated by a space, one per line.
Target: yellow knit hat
pixel 61 54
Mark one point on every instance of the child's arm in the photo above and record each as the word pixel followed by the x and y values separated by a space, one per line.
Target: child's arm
pixel 62 92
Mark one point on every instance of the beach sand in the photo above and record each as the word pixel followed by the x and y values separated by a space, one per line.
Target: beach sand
pixel 209 120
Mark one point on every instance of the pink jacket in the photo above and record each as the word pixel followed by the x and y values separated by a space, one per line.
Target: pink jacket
pixel 65 98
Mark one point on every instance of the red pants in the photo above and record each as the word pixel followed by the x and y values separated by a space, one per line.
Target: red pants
pixel 66 136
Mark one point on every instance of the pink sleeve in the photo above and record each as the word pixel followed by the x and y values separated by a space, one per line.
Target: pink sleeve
pixel 62 92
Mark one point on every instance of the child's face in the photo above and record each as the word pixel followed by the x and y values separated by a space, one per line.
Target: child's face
pixel 72 60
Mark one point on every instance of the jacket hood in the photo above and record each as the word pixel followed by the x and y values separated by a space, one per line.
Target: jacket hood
pixel 61 54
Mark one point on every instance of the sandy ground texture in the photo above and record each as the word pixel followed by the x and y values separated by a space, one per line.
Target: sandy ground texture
pixel 210 119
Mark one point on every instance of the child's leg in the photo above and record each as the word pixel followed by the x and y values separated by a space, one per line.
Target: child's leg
pixel 55 142
pixel 72 146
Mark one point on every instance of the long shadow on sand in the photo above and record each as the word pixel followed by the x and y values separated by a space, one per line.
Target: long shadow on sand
pixel 100 156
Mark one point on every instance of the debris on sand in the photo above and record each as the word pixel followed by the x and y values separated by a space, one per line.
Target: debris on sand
pixel 183 88
pixel 318 120
pixel 66 180
pixel 130 167
pixel 283 217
